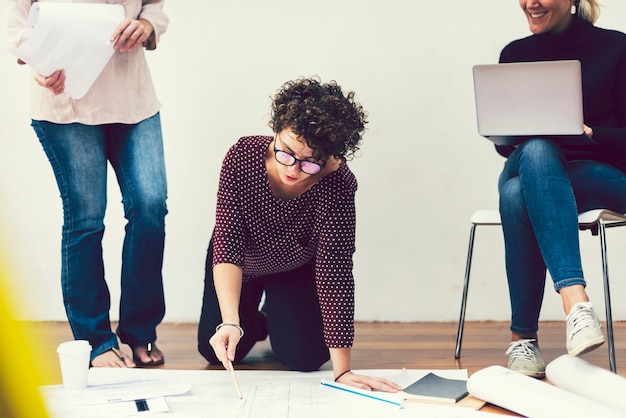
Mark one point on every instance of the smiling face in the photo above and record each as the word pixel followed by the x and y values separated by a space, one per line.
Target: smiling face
pixel 547 15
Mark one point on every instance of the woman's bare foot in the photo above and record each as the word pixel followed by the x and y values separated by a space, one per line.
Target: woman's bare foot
pixel 113 358
pixel 148 355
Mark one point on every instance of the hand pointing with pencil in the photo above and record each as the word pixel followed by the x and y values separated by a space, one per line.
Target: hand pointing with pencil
pixel 224 342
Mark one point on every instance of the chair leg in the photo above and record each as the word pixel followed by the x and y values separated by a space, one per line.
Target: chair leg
pixel 468 266
pixel 607 298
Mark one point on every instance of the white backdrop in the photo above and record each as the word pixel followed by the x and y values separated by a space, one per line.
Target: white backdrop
pixel 423 168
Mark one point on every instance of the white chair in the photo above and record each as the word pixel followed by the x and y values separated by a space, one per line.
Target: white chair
pixel 596 221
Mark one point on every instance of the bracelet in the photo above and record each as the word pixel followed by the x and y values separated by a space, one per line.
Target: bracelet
pixel 228 324
pixel 341 375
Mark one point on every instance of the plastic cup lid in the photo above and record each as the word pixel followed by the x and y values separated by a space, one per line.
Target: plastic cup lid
pixel 74 346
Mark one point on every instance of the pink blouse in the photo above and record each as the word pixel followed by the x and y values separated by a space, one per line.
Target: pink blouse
pixel 263 234
pixel 123 92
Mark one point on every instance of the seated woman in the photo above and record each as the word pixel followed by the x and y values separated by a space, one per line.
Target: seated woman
pixel 544 186
pixel 285 228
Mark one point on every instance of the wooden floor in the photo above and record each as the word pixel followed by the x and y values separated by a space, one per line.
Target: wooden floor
pixel 378 345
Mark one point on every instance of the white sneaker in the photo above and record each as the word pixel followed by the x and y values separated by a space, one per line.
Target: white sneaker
pixel 583 329
pixel 525 358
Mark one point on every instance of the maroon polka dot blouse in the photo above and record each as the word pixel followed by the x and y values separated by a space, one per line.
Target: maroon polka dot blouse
pixel 264 235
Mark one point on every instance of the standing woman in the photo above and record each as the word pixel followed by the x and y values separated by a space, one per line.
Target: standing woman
pixel 285 227
pixel 544 186
pixel 116 122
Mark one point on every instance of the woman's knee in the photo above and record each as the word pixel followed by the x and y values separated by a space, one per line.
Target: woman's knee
pixel 539 146
pixel 147 208
pixel 303 354
pixel 540 151
pixel 207 352
pixel 84 212
pixel 511 197
pixel 306 361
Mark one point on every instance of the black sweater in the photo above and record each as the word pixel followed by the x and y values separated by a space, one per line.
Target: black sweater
pixel 602 54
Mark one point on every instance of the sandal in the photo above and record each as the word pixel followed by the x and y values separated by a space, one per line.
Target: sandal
pixel 150 363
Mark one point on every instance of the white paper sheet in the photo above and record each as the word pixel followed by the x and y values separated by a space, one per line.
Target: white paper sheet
pixel 275 394
pixel 531 397
pixel 73 37
pixel 113 397
pixel 128 390
pixel 584 379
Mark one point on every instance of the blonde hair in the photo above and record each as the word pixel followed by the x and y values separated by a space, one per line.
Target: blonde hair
pixel 588 10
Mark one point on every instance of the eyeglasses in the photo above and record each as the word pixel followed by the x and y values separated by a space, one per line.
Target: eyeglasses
pixel 284 158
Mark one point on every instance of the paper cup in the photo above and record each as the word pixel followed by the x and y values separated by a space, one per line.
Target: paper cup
pixel 74 360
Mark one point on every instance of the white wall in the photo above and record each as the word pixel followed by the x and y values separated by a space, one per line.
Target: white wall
pixel 422 172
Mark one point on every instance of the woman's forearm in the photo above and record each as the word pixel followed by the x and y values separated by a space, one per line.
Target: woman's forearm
pixel 228 279
pixel 340 359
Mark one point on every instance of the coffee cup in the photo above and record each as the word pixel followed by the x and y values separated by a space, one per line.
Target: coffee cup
pixel 74 361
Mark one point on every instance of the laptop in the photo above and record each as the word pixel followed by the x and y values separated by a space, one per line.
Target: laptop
pixel 517 101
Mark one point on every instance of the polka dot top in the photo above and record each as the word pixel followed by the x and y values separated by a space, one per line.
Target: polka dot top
pixel 264 234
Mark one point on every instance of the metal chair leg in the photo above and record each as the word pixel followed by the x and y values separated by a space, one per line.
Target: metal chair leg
pixel 468 266
pixel 599 228
pixel 607 297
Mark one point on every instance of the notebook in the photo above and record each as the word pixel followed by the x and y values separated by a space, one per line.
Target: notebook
pixel 436 388
pixel 515 101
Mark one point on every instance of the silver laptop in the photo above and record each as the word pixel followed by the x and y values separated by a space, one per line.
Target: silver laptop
pixel 516 101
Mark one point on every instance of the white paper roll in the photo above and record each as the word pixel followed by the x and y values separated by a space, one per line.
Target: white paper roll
pixel 592 382
pixel 531 397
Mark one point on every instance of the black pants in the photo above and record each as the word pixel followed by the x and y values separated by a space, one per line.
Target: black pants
pixel 294 319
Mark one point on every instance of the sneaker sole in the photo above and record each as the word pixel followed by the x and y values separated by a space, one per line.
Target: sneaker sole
pixel 589 346
pixel 536 375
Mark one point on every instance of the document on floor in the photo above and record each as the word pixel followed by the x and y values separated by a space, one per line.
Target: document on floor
pixel 70 36
pixel 118 397
pixel 266 393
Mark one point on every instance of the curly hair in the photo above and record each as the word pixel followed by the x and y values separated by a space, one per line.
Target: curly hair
pixel 331 124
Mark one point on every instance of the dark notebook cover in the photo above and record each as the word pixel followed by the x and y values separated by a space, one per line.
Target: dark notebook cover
pixel 436 388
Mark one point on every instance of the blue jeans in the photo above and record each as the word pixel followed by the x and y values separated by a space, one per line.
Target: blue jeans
pixel 541 194
pixel 78 154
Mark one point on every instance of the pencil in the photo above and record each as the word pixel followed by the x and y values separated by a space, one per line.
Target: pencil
pixel 117 353
pixel 232 373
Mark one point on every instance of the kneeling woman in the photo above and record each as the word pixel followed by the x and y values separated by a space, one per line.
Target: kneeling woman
pixel 285 227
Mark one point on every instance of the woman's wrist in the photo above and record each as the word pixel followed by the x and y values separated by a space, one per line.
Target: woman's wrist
pixel 342 374
pixel 230 324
